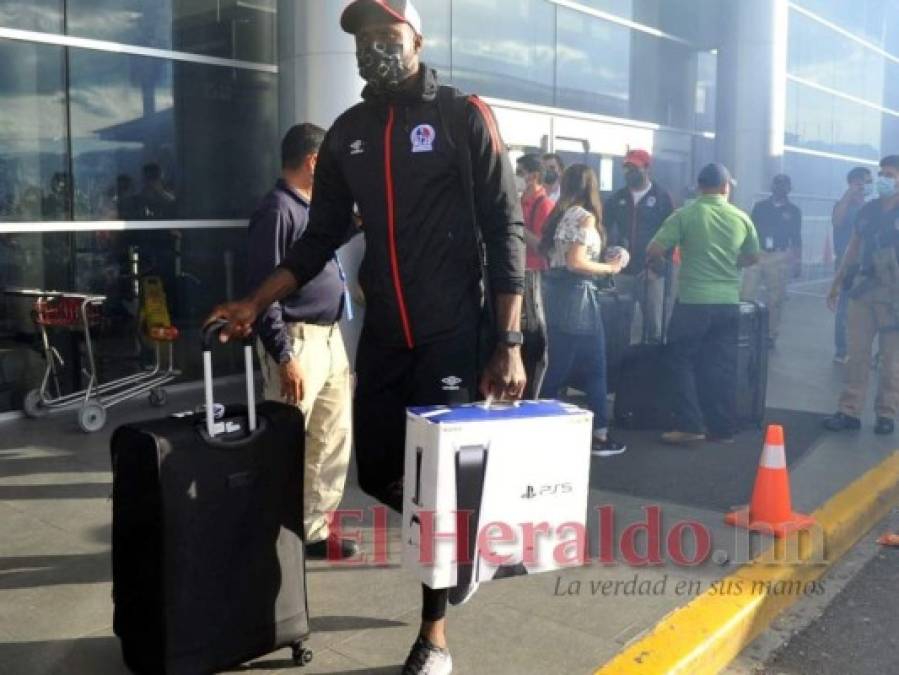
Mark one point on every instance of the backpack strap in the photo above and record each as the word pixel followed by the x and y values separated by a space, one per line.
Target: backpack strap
pixel 453 110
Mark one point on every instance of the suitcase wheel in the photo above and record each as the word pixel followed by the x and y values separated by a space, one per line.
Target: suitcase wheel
pixel 301 655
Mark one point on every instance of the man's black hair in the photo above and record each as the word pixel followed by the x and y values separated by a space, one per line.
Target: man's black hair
pixel 554 155
pixel 299 142
pixel 782 178
pixel 891 161
pixel 530 163
pixel 861 173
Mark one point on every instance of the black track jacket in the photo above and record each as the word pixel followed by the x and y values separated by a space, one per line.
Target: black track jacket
pixel 393 157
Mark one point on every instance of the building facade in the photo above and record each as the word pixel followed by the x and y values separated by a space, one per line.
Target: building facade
pixel 136 135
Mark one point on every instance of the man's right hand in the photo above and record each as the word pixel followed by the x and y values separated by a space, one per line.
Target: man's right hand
pixel 240 316
pixel 291 382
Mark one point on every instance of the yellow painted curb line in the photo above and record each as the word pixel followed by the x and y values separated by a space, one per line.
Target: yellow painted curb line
pixel 708 633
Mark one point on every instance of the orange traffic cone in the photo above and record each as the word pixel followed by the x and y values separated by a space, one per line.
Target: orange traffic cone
pixel 771 509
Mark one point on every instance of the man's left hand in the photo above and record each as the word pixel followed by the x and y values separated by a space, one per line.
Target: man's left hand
pixel 504 378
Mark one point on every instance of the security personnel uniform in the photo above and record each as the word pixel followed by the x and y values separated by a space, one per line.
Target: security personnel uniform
pixel 779 226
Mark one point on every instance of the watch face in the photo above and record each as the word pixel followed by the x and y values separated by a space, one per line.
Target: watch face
pixel 511 338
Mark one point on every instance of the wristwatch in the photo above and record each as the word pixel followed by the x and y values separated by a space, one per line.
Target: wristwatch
pixel 510 338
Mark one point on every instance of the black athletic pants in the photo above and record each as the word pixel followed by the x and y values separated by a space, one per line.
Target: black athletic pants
pixel 391 379
pixel 702 358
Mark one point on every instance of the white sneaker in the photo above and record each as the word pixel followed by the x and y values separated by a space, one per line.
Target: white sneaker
pixel 428 659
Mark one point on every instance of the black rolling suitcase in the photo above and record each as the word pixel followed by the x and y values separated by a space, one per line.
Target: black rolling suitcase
pixel 643 393
pixel 752 365
pixel 642 400
pixel 208 558
pixel 617 319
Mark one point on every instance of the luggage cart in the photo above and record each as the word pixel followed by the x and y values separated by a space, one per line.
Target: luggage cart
pixel 80 312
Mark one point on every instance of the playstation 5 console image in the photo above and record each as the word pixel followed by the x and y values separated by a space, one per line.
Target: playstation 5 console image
pixel 495 491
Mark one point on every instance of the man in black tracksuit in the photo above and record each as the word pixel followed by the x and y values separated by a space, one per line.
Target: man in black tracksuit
pixel 396 155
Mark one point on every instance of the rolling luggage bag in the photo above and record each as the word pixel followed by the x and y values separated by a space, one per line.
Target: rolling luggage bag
pixel 642 400
pixel 208 557
pixel 752 365
pixel 617 318
pixel 643 393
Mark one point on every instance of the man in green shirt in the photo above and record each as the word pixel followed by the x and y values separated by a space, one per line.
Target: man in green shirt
pixel 716 240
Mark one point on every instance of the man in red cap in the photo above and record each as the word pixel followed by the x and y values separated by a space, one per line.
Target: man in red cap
pixel 428 170
pixel 632 217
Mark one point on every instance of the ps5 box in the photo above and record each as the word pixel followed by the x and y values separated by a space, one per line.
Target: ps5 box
pixel 494 491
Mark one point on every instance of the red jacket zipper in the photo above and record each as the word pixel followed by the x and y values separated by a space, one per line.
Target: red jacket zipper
pixel 391 227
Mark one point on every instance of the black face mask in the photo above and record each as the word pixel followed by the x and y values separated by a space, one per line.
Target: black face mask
pixel 383 65
pixel 634 179
pixel 551 177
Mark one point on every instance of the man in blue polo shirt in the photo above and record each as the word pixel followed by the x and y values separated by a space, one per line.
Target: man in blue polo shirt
pixel 304 361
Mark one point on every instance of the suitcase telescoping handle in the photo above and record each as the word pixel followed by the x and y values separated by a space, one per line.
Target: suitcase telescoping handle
pixel 210 337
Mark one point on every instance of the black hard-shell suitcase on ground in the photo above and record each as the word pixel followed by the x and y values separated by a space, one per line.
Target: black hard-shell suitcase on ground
pixel 752 365
pixel 617 318
pixel 643 393
pixel 643 400
pixel 207 536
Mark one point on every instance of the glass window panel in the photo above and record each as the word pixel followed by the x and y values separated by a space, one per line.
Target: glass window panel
pixel 593 64
pixel 160 140
pixel 26 260
pixel 868 19
pixel 233 29
pixel 207 267
pixel 34 183
pixel 820 121
pixel 811 50
pixel 856 129
pixel 791 124
pixel 820 55
pixel 890 85
pixel 504 49
pixel 706 90
pixel 814 117
pixel 693 20
pixel 436 19
pixel 39 15
pixel 622 8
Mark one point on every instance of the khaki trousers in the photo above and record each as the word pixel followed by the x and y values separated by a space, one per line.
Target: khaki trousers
pixel 327 409
pixel 868 317
pixel 771 271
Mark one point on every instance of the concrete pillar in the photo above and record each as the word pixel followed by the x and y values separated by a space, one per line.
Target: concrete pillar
pixel 317 81
pixel 751 107
pixel 317 63
pixel 663 73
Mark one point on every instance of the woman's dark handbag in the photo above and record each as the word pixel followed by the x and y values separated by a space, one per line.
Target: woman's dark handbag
pixel 573 303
